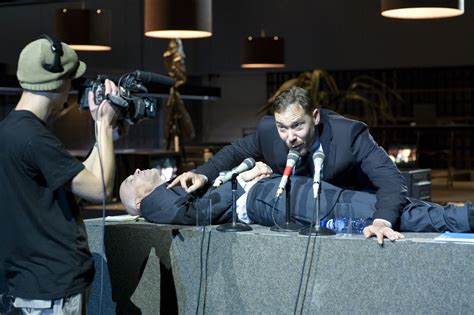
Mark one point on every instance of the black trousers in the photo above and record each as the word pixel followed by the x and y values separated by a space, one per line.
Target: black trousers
pixel 416 216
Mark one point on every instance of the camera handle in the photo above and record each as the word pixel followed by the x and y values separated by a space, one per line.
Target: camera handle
pixel 117 100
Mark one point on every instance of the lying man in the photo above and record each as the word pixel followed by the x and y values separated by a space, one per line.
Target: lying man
pixel 143 193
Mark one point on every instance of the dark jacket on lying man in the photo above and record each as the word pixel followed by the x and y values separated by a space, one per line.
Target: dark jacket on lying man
pixel 175 206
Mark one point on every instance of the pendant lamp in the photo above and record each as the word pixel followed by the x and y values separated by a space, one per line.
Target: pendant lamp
pixel 85 29
pixel 422 9
pixel 263 52
pixel 178 18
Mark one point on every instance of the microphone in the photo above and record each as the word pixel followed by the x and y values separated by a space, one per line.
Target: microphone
pixel 291 159
pixel 147 77
pixel 318 159
pixel 315 228
pixel 247 164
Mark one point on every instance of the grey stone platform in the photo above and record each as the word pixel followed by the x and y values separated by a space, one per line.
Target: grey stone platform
pixel 259 272
pixel 137 272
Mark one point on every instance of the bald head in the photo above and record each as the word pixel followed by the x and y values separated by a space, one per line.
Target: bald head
pixel 136 187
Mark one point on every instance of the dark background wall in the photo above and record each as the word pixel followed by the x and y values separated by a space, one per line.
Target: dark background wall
pixel 335 35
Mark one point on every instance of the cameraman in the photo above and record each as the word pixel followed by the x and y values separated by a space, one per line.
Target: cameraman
pixel 45 262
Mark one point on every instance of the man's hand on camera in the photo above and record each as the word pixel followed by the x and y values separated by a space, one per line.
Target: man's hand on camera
pixel 189 181
pixel 104 112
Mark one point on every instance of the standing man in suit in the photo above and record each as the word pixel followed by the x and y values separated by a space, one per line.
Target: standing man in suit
pixel 353 159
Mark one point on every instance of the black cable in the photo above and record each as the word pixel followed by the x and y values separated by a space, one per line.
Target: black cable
pixel 302 274
pixel 309 274
pixel 104 196
pixel 203 263
pixel 273 214
pixel 200 271
pixel 273 210
pixel 304 265
pixel 205 272
pixel 312 256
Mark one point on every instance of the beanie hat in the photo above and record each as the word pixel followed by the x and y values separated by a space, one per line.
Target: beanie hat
pixel 31 72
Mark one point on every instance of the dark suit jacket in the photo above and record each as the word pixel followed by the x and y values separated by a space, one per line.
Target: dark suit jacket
pixel 353 160
pixel 175 206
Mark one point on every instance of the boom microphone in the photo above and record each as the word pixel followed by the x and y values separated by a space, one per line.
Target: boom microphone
pixel 147 77
pixel 247 164
pixel 318 159
pixel 291 159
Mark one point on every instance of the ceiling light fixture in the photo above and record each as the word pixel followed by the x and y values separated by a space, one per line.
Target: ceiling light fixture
pixel 85 29
pixel 422 9
pixel 178 18
pixel 263 52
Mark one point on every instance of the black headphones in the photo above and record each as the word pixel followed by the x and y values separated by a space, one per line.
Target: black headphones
pixel 57 49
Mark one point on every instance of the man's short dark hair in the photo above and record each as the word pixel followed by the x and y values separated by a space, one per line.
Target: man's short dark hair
pixel 293 95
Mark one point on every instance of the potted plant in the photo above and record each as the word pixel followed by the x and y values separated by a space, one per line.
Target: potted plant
pixel 366 96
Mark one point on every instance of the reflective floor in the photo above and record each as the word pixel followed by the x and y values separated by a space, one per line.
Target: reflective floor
pixel 462 189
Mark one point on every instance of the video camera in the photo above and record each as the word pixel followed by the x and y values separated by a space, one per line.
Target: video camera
pixel 133 107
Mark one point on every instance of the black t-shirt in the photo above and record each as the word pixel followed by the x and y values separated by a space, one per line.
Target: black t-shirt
pixel 44 254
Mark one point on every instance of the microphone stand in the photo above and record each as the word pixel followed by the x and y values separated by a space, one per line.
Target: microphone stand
pixel 317 229
pixel 234 226
pixel 287 226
